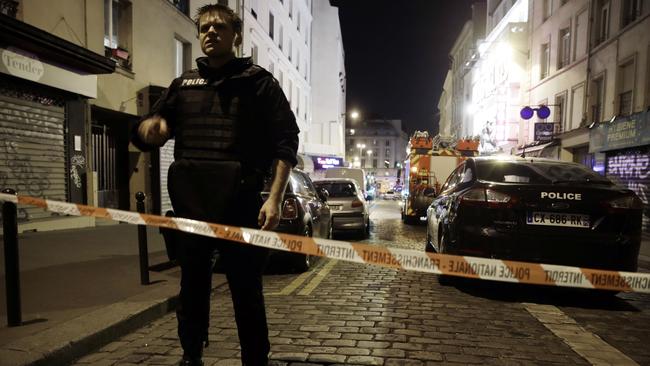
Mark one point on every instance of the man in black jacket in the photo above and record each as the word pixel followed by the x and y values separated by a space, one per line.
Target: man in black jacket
pixel 233 130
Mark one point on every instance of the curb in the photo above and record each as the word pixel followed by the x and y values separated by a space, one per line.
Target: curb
pixel 67 342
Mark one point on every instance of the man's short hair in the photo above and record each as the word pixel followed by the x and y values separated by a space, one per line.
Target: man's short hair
pixel 231 16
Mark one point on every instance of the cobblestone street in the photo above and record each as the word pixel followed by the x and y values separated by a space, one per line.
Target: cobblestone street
pixel 345 313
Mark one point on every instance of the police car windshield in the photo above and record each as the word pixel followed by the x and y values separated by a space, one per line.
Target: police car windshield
pixel 536 173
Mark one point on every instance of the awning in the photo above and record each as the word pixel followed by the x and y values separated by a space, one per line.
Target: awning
pixel 48 47
pixel 545 150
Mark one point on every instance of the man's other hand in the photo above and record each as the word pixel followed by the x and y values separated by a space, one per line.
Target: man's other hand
pixel 154 131
pixel 269 216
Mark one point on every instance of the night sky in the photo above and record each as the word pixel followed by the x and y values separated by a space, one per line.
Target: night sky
pixel 396 56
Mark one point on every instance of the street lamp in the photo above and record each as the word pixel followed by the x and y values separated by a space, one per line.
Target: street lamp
pixel 354 115
pixel 361 147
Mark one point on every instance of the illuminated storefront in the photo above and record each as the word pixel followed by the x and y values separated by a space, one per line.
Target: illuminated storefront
pixel 626 144
pixel 496 93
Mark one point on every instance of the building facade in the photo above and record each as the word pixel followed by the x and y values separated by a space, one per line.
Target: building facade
pixel 379 147
pixel 326 137
pixel 445 107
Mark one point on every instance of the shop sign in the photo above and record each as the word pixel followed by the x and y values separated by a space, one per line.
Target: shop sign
pixel 623 133
pixel 544 131
pixel 22 66
pixel 326 162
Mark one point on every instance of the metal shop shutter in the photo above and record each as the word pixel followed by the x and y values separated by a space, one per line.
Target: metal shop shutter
pixel 630 168
pixel 166 159
pixel 32 153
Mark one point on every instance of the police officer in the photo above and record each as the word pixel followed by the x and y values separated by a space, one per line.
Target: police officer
pixel 233 129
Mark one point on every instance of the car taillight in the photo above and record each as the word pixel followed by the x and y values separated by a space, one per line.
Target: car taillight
pixel 487 198
pixel 290 209
pixel 631 202
pixel 357 203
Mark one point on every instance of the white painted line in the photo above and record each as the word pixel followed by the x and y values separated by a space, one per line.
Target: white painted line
pixel 588 345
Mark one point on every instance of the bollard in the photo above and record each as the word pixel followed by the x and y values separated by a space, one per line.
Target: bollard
pixel 142 242
pixel 12 270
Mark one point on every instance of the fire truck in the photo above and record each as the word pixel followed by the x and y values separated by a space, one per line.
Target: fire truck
pixel 428 164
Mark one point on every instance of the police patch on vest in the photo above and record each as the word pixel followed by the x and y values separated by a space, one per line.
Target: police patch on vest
pixel 192 82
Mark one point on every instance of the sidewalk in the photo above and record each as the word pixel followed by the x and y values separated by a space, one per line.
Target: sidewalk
pixel 80 289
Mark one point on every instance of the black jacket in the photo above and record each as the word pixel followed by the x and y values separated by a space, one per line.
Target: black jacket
pixel 240 93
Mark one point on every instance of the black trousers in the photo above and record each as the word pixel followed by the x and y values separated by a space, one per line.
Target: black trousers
pixel 205 191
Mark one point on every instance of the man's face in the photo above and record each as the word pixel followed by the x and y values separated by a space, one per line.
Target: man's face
pixel 216 35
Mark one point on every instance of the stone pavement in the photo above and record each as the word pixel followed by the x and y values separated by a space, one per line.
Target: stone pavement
pixel 362 315
pixel 80 291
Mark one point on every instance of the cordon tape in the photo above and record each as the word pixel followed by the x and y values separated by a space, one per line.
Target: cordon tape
pixel 404 259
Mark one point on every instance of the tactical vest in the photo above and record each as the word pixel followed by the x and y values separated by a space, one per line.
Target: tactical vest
pixel 206 118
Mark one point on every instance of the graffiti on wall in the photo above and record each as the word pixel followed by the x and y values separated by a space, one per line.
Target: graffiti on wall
pixel 77 164
pixel 633 171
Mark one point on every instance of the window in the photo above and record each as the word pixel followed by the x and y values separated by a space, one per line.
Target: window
pixel 117 31
pixel 182 5
pixel 254 53
pixel 281 37
pixel 547 8
pixel 271 25
pixel 387 152
pixel 374 163
pixel 564 51
pixel 183 59
pixel 290 48
pixel 603 21
pixel 387 142
pixel 626 85
pixel 298 59
pixel 290 93
pixel 298 21
pixel 577 106
pixel 281 78
pixel 253 7
pixel 363 163
pixel 580 32
pixel 631 11
pixel 560 108
pixel 291 9
pixel 597 87
pixel 374 142
pixel 544 61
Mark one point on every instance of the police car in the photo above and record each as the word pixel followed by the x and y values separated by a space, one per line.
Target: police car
pixel 536 210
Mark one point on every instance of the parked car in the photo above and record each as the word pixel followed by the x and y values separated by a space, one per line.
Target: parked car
pixel 304 212
pixel 348 205
pixel 389 195
pixel 536 210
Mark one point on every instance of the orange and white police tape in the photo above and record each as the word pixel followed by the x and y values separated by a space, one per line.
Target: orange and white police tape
pixel 405 259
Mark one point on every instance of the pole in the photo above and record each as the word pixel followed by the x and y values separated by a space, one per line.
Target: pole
pixel 12 270
pixel 142 242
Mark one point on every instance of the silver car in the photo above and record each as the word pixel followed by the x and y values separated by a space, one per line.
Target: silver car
pixel 347 204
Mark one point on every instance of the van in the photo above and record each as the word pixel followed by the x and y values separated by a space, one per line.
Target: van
pixel 359 175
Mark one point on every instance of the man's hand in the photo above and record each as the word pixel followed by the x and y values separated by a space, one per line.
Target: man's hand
pixel 154 131
pixel 269 216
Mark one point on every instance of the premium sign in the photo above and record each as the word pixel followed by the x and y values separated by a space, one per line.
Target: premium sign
pixel 326 162
pixel 624 132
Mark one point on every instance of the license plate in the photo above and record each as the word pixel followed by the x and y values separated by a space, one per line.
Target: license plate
pixel 557 219
pixel 337 208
